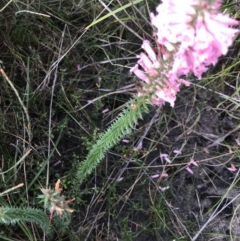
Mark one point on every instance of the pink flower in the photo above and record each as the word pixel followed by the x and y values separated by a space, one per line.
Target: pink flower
pixel 147 65
pixel 232 168
pixel 189 170
pixel 166 95
pixel 148 49
pixel 193 162
pixel 178 152
pixel 105 111
pixel 163 174
pixel 190 36
pixel 195 32
pixel 160 84
pixel 155 176
pixel 139 73
pixel 165 157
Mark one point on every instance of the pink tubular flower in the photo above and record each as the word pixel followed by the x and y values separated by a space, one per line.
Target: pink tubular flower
pixel 160 84
pixel 189 170
pixel 178 152
pixel 192 161
pixel 155 176
pixel 195 32
pixel 139 73
pixel 147 47
pixel 165 157
pixel 232 168
pixel 190 36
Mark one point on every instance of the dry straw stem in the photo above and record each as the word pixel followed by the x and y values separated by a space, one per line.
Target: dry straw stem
pixel 6 5
pixel 17 163
pixel 11 189
pixel 28 127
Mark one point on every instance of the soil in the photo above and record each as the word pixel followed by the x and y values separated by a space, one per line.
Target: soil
pixel 205 204
pixel 207 198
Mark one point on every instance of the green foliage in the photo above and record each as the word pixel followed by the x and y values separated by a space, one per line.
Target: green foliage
pixel 13 215
pixel 124 123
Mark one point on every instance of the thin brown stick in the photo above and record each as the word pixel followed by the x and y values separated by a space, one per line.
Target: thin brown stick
pixel 11 189
pixel 28 127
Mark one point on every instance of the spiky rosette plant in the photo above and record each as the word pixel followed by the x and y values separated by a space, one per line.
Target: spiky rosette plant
pixel 55 202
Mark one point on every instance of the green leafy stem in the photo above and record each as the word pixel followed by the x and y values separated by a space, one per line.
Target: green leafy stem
pixel 122 125
pixel 13 215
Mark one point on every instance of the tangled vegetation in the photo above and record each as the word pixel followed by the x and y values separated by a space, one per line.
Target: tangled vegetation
pixel 66 89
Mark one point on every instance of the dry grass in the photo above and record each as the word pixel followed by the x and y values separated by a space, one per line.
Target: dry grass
pixel 65 76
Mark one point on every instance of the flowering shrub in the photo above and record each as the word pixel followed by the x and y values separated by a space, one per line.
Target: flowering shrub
pixel 190 36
